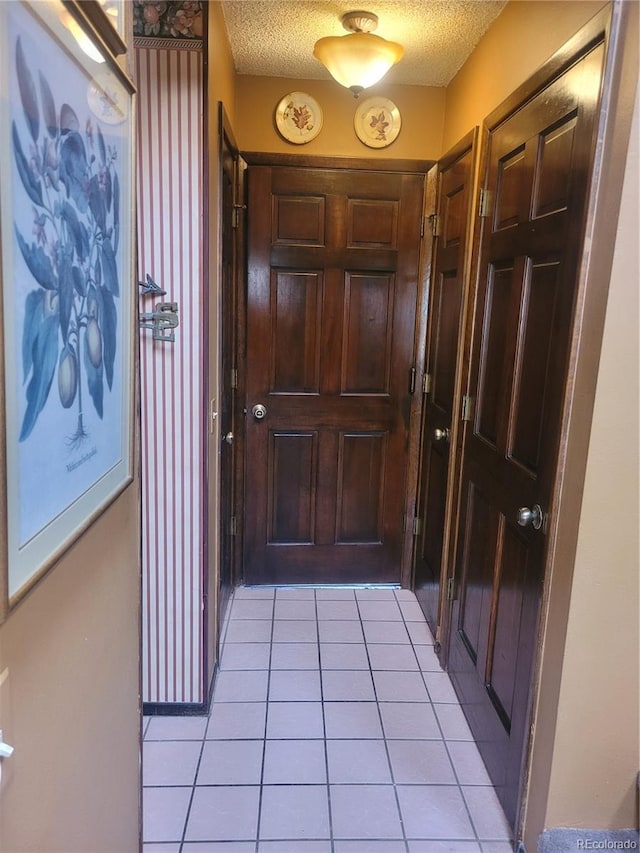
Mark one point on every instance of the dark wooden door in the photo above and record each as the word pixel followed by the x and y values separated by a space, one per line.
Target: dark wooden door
pixel 230 224
pixel 331 303
pixel 449 278
pixel 538 171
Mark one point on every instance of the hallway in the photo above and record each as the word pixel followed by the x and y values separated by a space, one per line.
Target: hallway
pixel 332 730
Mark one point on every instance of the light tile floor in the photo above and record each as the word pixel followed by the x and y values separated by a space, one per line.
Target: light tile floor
pixel 332 730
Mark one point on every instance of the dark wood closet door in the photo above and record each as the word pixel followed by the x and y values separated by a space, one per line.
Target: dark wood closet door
pixel 331 303
pixel 538 172
pixel 229 271
pixel 448 283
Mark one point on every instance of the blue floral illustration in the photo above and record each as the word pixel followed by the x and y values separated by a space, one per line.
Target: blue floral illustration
pixel 70 176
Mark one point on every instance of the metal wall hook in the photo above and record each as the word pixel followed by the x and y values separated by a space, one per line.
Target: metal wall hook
pixel 150 287
pixel 163 318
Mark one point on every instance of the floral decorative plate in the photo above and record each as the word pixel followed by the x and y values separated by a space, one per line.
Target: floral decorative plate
pixel 377 122
pixel 298 118
pixel 107 99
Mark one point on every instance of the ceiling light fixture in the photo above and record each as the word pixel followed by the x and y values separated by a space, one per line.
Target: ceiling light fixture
pixel 360 59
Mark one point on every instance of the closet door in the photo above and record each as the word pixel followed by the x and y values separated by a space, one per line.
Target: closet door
pixel 451 224
pixel 539 161
pixel 232 223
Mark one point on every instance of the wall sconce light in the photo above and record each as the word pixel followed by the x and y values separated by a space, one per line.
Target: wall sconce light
pixel 360 59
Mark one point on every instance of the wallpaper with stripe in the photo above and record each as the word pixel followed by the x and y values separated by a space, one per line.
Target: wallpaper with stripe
pixel 170 156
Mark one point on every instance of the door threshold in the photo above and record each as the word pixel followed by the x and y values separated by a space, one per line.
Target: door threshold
pixel 320 586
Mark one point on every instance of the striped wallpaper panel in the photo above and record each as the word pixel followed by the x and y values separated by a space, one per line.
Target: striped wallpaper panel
pixel 170 193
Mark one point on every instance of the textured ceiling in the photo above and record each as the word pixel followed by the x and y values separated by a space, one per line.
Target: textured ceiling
pixel 275 38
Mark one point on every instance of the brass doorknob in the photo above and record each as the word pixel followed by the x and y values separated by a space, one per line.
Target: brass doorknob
pixel 440 434
pixel 229 437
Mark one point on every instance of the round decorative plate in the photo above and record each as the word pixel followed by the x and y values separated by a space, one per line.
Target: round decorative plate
pixel 377 122
pixel 107 98
pixel 298 118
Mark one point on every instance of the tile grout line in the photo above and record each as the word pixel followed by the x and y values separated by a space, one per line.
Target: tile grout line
pixel 266 722
pixel 183 841
pixel 384 736
pixel 324 727
pixel 444 740
pixel 412 643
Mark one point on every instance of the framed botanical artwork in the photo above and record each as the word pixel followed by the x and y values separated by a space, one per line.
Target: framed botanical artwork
pixel 66 285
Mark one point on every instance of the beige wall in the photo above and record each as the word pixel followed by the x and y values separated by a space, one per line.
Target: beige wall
pixel 221 79
pixel 421 109
pixel 69 704
pixel 596 754
pixel 523 36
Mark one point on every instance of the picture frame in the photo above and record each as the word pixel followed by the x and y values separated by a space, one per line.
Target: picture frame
pixel 107 17
pixel 67 292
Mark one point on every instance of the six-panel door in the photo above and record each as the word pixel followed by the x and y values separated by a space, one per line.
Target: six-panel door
pixel 444 341
pixel 332 285
pixel 539 164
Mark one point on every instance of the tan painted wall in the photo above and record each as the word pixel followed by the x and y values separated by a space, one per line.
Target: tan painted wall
pixel 70 703
pixel 421 109
pixel 523 36
pixel 221 80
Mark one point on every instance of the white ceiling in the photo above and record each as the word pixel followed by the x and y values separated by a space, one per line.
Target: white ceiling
pixel 275 38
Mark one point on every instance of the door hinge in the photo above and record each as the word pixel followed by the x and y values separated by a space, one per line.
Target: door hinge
pixel 412 380
pixel 234 377
pixel 434 219
pixel 426 383
pixel 468 406
pixel 235 218
pixel 233 526
pixel 484 203
pixel 451 589
pixel 417 526
pixel 212 415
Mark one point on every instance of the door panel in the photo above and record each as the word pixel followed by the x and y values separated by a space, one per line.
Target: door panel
pixel 448 303
pixel 533 362
pixel 291 504
pixel 296 300
pixel 538 163
pixel 444 337
pixel 360 488
pixel 368 334
pixel 333 266
pixel 475 592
